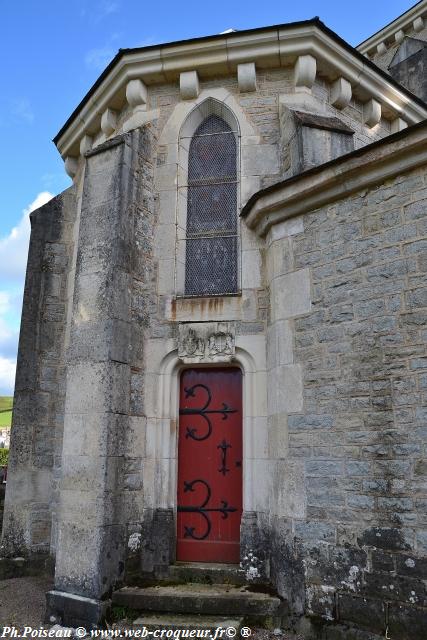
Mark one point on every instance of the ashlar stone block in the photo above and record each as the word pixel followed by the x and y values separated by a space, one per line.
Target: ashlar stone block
pixel 109 121
pixel 189 87
pixel 399 36
pixel 71 166
pixel 285 389
pixel 341 93
pixel 305 72
pixel 372 112
pixel 136 94
pixel 86 144
pixel 398 124
pixel 291 295
pixel 246 76
pixel 260 160
pixel 418 24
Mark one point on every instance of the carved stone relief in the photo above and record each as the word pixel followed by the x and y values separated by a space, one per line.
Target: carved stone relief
pixel 206 342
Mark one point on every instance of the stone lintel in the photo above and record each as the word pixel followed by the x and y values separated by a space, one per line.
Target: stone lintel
pixel 317 121
pixel 108 144
pixel 206 342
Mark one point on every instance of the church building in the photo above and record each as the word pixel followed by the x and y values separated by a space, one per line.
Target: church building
pixel 222 357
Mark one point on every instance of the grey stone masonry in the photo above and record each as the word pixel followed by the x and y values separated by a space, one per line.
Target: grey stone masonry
pixel 356 548
pixel 101 481
pixel 39 390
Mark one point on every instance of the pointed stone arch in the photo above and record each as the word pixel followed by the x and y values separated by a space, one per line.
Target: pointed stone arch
pixel 172 176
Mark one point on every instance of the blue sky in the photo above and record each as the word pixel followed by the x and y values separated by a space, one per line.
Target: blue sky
pixel 51 53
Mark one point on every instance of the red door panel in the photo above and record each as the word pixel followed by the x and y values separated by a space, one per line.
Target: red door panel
pixel 210 465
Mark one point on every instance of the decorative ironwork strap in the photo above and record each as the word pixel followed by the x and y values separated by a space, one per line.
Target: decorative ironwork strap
pixel 224 445
pixel 203 411
pixel 203 510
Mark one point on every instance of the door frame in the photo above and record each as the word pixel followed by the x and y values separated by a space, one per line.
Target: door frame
pixel 204 367
pixel 162 432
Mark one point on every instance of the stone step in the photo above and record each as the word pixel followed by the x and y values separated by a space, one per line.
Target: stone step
pixel 168 621
pixel 195 598
pixel 207 573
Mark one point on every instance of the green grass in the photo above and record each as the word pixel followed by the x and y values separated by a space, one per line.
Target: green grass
pixel 4 457
pixel 5 418
pixel 6 403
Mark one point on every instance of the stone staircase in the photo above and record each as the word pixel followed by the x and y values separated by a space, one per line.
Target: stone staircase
pixel 201 596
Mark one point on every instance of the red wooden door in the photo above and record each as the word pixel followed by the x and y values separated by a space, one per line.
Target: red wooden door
pixel 210 465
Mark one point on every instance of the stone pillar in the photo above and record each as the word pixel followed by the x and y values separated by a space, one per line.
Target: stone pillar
pixel 92 524
pixel 290 296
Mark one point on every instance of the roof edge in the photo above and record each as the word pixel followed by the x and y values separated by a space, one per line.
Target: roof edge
pixel 386 32
pixel 337 178
pixel 187 41
pixel 315 23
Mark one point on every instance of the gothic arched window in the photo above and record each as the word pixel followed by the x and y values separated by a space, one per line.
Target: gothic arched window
pixel 211 234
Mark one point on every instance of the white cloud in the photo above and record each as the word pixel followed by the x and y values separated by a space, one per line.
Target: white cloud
pixel 8 345
pixel 14 247
pixel 7 376
pixel 10 311
pixel 13 251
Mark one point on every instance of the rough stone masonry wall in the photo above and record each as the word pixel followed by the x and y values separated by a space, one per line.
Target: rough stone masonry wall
pixel 39 389
pixel 359 554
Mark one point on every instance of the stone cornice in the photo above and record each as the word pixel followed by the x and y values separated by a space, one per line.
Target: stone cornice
pixel 334 180
pixel 403 23
pixel 268 48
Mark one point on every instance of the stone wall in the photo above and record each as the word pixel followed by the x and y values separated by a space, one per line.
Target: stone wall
pixel 350 532
pixel 39 386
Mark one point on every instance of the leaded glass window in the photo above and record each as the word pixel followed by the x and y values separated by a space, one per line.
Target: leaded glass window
pixel 211 235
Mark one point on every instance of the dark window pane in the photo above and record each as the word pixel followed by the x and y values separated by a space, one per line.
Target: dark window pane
pixel 211 248
pixel 212 209
pixel 212 155
pixel 211 266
